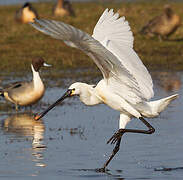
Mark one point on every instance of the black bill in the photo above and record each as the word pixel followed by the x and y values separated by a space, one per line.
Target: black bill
pixel 67 94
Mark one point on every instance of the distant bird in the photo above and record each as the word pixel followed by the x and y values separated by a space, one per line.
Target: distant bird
pixel 26 14
pixel 63 8
pixel 163 25
pixel 26 93
pixel 126 85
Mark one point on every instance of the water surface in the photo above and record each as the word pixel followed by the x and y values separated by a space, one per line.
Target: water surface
pixel 70 141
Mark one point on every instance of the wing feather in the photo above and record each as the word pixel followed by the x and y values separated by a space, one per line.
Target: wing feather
pixel 115 34
pixel 113 28
pixel 74 37
pixel 119 78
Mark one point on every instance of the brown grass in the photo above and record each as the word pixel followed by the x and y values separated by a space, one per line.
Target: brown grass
pixel 19 43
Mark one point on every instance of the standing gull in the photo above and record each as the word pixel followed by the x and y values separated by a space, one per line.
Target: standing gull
pixel 126 85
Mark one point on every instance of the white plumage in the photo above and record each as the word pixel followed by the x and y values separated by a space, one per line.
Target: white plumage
pixel 115 34
pixel 126 85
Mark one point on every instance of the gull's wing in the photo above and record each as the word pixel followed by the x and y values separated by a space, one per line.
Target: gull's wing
pixel 115 34
pixel 120 79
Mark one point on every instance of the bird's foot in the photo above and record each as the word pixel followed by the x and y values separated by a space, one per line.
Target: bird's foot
pixel 101 170
pixel 116 136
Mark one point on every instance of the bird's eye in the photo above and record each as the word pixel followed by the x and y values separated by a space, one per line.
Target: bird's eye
pixel 72 91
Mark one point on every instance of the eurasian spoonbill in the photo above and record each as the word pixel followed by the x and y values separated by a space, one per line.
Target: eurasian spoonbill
pixel 126 85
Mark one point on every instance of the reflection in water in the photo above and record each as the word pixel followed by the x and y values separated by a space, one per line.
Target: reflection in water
pixel 168 169
pixel 116 174
pixel 24 125
pixel 78 131
pixel 169 81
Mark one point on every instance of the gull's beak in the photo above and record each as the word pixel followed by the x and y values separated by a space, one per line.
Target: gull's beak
pixel 46 65
pixel 65 95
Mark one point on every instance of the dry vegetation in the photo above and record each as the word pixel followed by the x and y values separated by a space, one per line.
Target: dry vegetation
pixel 20 43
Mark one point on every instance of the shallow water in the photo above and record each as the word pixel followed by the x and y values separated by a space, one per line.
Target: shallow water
pixel 70 141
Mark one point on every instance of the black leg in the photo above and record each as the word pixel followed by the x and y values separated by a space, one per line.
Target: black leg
pixel 115 150
pixel 116 138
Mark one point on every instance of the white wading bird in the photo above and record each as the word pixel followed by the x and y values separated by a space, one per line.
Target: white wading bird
pixel 126 85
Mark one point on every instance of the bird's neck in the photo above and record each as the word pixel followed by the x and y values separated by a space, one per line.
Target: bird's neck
pixel 169 12
pixel 60 3
pixel 38 84
pixel 87 95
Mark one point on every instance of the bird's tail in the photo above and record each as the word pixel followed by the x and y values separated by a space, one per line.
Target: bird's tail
pixel 154 108
pixel 159 105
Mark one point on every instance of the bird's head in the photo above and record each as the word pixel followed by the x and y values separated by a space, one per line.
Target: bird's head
pixel 77 88
pixel 83 90
pixel 39 62
pixel 68 93
pixel 71 91
pixel 168 10
pixel 27 4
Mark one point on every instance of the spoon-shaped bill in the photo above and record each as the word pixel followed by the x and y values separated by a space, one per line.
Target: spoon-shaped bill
pixel 65 95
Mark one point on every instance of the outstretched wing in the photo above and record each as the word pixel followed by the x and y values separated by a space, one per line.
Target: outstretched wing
pixel 115 34
pixel 112 28
pixel 120 79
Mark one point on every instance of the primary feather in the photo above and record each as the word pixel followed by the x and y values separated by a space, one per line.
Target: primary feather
pixel 111 27
pixel 111 49
pixel 115 34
